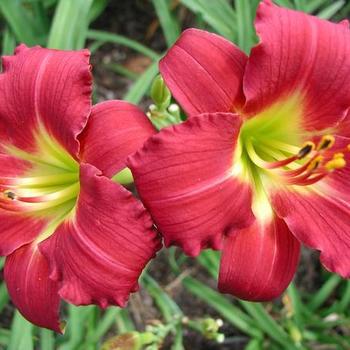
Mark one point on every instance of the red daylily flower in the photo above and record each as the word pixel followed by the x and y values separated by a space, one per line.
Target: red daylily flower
pixel 262 164
pixel 68 230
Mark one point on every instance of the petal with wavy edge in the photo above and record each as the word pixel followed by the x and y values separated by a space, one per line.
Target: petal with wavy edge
pixel 31 290
pixel 259 262
pixel 44 87
pixel 98 254
pixel 299 54
pixel 204 72
pixel 115 130
pixel 185 178
pixel 319 218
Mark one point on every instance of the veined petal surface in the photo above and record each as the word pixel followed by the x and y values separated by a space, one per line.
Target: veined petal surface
pixel 44 88
pixel 115 130
pixel 98 254
pixel 299 54
pixel 31 290
pixel 259 262
pixel 204 73
pixel 185 177
pixel 16 228
pixel 319 217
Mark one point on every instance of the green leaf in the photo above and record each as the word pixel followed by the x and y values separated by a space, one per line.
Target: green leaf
pixel 323 294
pixel 20 19
pixel 8 42
pixel 246 37
pixel 166 305
pixel 21 334
pixel 170 26
pixel 331 10
pixel 222 305
pixel 314 5
pixel 47 339
pixel 267 324
pixel 105 323
pixel 96 9
pixel 218 14
pixel 142 84
pixel 75 330
pixel 70 24
pixel 285 3
pixel 4 298
pixel 106 37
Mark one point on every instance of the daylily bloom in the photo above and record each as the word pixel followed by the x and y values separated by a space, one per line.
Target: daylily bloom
pixel 261 166
pixel 68 230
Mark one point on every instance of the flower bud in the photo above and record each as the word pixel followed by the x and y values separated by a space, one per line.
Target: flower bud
pixel 160 94
pixel 128 341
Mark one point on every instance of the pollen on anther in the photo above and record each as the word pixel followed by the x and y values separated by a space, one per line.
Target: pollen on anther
pixel 335 163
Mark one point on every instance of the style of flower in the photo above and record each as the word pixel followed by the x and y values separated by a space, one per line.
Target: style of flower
pixel 68 229
pixel 261 165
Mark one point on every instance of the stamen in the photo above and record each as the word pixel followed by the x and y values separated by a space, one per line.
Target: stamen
pixel 315 163
pixel 307 148
pixel 314 169
pixel 326 142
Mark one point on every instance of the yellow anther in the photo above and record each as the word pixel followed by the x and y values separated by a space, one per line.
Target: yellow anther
pixel 306 149
pixel 348 148
pixel 335 163
pixel 315 163
pixel 338 155
pixel 326 142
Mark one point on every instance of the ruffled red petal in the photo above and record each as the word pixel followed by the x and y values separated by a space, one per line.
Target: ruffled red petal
pixel 31 290
pixel 204 72
pixel 185 178
pixel 48 87
pixel 98 254
pixel 319 218
pixel 299 54
pixel 259 262
pixel 115 130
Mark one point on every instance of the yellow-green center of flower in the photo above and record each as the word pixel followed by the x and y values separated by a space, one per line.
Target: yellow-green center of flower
pixel 49 189
pixel 274 150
